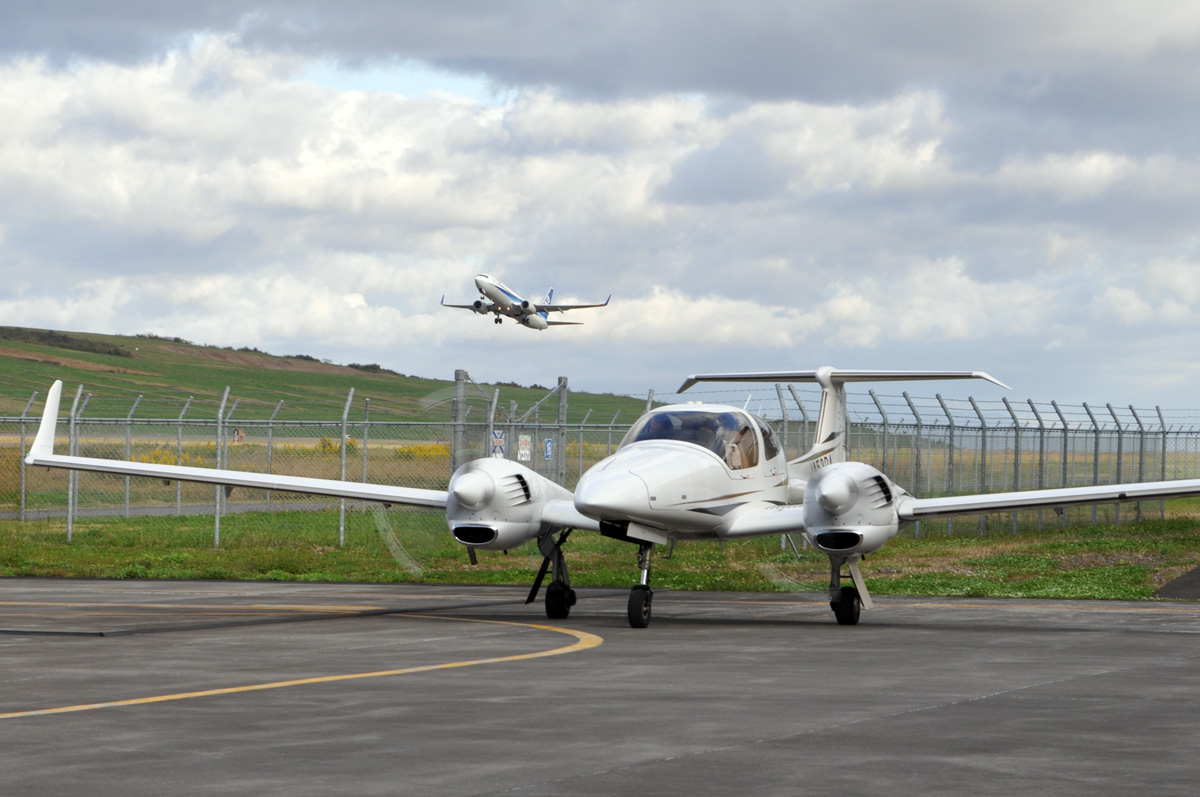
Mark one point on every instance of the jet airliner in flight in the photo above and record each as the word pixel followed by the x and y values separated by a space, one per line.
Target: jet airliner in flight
pixel 499 299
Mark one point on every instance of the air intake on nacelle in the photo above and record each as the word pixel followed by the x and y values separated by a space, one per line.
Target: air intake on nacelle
pixel 474 535
pixel 837 540
pixel 516 490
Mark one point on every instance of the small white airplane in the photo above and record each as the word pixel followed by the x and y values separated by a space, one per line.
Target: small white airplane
pixel 499 299
pixel 682 472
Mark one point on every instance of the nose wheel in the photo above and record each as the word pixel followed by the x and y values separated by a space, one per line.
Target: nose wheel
pixel 641 595
pixel 559 595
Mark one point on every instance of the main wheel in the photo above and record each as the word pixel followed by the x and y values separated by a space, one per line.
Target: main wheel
pixel 559 600
pixel 847 609
pixel 639 607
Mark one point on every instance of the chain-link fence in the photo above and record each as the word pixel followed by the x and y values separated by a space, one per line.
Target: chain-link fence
pixel 930 446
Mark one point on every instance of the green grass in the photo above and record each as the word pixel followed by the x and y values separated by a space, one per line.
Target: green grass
pixel 1108 562
pixel 167 372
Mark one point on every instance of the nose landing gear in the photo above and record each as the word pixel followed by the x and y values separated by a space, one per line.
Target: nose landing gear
pixel 641 595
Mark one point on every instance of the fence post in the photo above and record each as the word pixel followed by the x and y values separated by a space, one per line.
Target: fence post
pixel 1095 456
pixel 489 446
pixel 804 446
pixel 882 414
pixel 366 435
pixel 783 409
pixel 129 445
pixel 916 458
pixel 982 460
pixel 342 476
pixel 1141 457
pixel 582 424
pixel 271 445
pixel 1063 420
pixel 560 434
pixel 72 475
pixel 179 455
pixel 458 414
pixel 1016 453
pixel 611 424
pixel 1162 425
pixel 1120 457
pixel 650 400
pixel 1041 479
pixel 950 464
pixel 220 463
pixel 21 458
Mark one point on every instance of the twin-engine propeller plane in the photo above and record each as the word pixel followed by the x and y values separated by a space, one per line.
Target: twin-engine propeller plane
pixel 682 472
pixel 500 300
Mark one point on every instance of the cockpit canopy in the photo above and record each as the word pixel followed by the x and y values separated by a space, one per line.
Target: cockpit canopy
pixel 729 433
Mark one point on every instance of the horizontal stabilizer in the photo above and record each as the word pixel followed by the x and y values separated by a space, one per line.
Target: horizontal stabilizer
pixel 837 376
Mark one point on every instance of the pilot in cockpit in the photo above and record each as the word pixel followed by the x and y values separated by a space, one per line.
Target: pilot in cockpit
pixel 735 441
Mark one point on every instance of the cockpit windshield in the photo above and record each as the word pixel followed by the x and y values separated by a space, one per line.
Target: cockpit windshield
pixel 730 435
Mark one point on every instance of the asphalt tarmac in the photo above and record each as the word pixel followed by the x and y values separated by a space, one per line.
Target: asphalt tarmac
pixel 151 687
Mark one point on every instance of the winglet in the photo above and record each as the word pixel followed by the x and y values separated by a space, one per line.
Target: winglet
pixel 43 443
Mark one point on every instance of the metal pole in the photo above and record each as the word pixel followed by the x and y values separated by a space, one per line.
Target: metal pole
pixel 1041 479
pixel 950 464
pixel 560 435
pixel 271 445
pixel 1162 424
pixel 72 446
pixel 219 488
pixel 917 458
pixel 783 409
pixel 342 476
pixel 1120 456
pixel 650 399
pixel 1016 453
pixel 804 415
pixel 21 458
pixel 179 455
pixel 129 445
pixel 1063 420
pixel 1141 457
pixel 491 430
pixel 882 414
pixel 366 435
pixel 582 423
pixel 458 413
pixel 982 460
pixel 611 424
pixel 1095 456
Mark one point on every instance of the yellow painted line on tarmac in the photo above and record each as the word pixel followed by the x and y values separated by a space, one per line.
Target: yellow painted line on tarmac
pixel 258 607
pixel 583 641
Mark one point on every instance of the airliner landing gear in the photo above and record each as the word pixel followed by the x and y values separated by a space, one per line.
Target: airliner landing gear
pixel 847 602
pixel 559 595
pixel 641 595
pixel 499 320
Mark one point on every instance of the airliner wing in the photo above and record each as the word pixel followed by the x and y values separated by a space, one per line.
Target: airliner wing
pixel 910 508
pixel 470 307
pixel 42 453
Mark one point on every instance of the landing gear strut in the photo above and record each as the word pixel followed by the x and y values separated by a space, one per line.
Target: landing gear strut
pixel 641 595
pixel 559 595
pixel 847 602
pixel 499 320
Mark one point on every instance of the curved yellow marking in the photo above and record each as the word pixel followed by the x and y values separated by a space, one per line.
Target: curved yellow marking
pixel 583 641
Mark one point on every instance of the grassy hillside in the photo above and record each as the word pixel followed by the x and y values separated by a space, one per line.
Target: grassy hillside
pixel 116 369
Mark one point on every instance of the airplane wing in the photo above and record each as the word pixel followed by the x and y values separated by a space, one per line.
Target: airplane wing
pixel 558 308
pixel 42 453
pixel 757 521
pixel 910 508
pixel 564 323
pixel 470 307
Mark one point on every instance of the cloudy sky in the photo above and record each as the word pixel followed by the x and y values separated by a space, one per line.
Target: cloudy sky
pixel 1010 187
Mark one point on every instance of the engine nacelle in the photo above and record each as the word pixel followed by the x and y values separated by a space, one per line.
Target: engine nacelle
pixel 481 307
pixel 850 508
pixel 528 306
pixel 496 504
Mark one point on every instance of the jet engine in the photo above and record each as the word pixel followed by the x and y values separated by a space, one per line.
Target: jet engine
pixel 480 307
pixel 496 504
pixel 850 509
pixel 529 306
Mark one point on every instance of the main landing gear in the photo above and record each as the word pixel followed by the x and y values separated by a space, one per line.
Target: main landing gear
pixel 499 320
pixel 559 595
pixel 847 602
pixel 641 595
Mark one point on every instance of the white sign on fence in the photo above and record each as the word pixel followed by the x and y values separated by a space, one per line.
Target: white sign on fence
pixel 524 447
